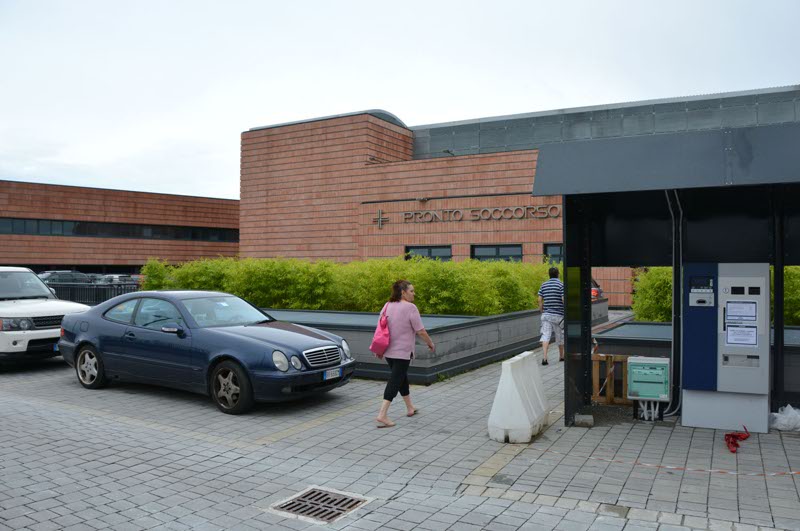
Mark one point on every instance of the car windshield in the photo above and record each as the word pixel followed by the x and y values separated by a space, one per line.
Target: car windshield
pixel 22 285
pixel 224 310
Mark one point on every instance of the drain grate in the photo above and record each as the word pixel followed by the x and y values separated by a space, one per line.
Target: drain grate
pixel 320 505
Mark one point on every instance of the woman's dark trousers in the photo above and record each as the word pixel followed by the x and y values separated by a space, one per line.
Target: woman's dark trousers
pixel 398 381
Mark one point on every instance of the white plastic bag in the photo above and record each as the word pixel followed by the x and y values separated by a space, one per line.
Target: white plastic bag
pixel 786 419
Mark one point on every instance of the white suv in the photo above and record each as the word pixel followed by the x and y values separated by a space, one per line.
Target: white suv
pixel 30 316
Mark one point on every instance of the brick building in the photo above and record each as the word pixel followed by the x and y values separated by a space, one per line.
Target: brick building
pixel 46 226
pixel 350 188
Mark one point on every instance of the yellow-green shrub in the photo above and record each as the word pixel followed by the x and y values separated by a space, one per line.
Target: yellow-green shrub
pixel 365 286
pixel 461 288
pixel 652 295
pixel 156 274
pixel 206 274
pixel 791 296
pixel 282 283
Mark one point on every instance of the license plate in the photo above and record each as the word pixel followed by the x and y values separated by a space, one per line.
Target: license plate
pixel 55 347
pixel 331 374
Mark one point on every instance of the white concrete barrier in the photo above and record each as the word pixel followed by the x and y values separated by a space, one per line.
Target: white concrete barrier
pixel 520 407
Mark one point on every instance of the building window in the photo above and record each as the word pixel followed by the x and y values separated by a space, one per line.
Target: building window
pixel 441 252
pixel 47 227
pixel 554 252
pixel 509 253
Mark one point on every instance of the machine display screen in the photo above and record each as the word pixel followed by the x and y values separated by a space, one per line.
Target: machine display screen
pixel 701 282
pixel 741 311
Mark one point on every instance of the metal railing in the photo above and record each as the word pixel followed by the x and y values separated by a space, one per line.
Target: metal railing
pixel 91 294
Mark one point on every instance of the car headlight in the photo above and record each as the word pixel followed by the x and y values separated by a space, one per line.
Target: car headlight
pixel 280 361
pixel 15 323
pixel 296 363
pixel 346 350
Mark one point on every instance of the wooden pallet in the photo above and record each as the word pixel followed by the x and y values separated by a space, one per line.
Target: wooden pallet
pixel 607 375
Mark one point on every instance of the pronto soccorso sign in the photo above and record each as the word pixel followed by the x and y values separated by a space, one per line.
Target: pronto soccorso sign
pixel 482 214
pixel 473 214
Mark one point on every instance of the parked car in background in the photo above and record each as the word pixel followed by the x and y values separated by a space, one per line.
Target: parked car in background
pixel 139 279
pixel 207 342
pixel 94 277
pixel 64 277
pixel 116 279
pixel 30 316
pixel 597 291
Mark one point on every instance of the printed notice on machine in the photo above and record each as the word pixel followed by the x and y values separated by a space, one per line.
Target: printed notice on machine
pixel 741 335
pixel 740 311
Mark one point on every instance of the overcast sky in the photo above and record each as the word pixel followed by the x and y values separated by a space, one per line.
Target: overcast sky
pixel 153 95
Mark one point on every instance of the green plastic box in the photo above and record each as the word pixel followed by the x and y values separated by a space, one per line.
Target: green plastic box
pixel 648 379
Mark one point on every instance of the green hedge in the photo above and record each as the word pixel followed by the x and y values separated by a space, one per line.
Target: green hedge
pixel 652 295
pixel 459 288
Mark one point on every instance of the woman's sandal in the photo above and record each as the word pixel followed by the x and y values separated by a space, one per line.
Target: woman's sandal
pixel 412 413
pixel 382 424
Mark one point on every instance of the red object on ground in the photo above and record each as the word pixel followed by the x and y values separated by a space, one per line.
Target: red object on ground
pixel 732 439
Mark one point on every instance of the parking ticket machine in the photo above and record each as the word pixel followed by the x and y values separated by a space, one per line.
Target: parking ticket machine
pixel 726 346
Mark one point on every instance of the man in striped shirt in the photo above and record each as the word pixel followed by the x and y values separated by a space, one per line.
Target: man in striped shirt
pixel 551 304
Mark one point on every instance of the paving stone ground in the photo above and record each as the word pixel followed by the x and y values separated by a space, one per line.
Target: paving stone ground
pixel 140 457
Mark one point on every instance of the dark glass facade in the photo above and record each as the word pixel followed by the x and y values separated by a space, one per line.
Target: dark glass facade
pixel 554 252
pixel 511 253
pixel 95 229
pixel 441 252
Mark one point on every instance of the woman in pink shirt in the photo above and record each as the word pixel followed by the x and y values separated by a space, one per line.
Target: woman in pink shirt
pixel 405 324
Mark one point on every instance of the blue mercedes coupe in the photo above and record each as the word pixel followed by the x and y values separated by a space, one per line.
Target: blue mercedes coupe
pixel 206 342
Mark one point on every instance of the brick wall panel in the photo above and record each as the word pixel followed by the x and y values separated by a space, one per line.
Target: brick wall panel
pixel 40 201
pixel 23 249
pixel 29 200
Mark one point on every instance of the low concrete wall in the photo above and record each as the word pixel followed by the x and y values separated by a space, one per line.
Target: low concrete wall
pixel 462 342
pixel 599 311
pixel 461 347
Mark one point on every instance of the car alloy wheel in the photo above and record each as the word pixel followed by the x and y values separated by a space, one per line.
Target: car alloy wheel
pixel 230 388
pixel 227 388
pixel 89 367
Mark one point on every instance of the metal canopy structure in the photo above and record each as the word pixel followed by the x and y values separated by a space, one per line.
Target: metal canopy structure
pixel 710 112
pixel 696 159
pixel 727 195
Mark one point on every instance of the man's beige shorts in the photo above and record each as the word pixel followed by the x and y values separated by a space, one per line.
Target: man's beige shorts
pixel 552 323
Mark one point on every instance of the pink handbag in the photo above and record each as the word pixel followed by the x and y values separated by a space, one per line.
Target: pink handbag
pixel 380 341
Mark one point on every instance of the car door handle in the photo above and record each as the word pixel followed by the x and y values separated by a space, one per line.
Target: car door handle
pixel 130 335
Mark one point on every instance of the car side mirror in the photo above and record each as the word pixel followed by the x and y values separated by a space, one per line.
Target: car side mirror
pixel 172 328
pixel 53 291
